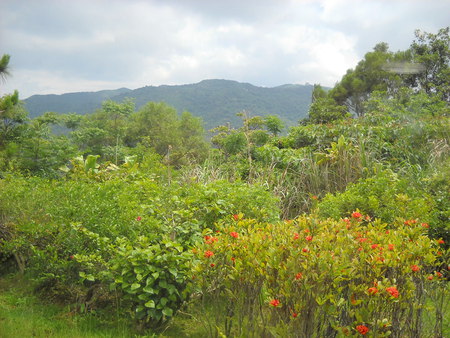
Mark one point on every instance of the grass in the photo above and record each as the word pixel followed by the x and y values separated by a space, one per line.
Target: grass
pixel 23 314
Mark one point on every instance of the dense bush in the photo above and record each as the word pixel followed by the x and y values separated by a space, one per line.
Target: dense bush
pixel 312 277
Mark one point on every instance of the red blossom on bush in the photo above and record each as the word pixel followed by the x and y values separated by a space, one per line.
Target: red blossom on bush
pixel 296 236
pixel 441 241
pixel 275 302
pixel 233 259
pixel 298 276
pixel 209 254
pixel 393 291
pixel 294 314
pixel 438 274
pixel 410 222
pixel 308 238
pixel 415 268
pixel 430 277
pixel 362 240
pixel 234 234
pixel 71 257
pixel 372 291
pixel 374 246
pixel 305 250
pixel 236 217
pixel 425 225
pixel 362 329
pixel 391 247
pixel 314 197
pixel 212 265
pixel 138 218
pixel 356 214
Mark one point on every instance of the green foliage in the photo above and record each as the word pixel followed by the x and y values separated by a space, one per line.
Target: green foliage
pixel 383 196
pixel 325 110
pixel 318 277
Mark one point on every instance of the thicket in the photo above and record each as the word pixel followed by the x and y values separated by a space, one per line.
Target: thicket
pixel 338 227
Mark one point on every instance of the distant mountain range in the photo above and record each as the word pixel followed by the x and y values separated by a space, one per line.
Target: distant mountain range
pixel 216 101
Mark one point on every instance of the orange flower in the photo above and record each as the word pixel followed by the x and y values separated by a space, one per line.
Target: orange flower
pixel 391 247
pixel 234 234
pixel 362 329
pixel 425 225
pixel 393 291
pixel 430 277
pixel 305 250
pixel 298 276
pixel 308 238
pixel 372 291
pixel 415 268
pixel 275 302
pixel 374 246
pixel 356 214
pixel 236 217
pixel 438 274
pixel 209 254
pixel 441 241
pixel 296 236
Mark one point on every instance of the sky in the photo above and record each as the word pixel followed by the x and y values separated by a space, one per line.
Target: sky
pixel 88 45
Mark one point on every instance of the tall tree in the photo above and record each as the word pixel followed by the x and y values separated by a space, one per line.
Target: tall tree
pixel 433 52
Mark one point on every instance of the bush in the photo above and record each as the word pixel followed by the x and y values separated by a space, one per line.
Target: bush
pixel 317 277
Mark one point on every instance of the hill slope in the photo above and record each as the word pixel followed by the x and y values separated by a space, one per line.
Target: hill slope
pixel 216 101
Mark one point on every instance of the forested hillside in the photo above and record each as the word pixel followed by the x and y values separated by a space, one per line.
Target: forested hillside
pixel 338 227
pixel 215 101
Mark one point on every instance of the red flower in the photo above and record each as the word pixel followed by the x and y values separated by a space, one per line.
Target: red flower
pixel 391 247
pixel 138 218
pixel 441 241
pixel 213 265
pixel 209 254
pixel 294 314
pixel 236 217
pixel 296 236
pixel 438 274
pixel 71 257
pixel 308 238
pixel 298 276
pixel 393 291
pixel 356 214
pixel 362 329
pixel 305 250
pixel 415 268
pixel 314 197
pixel 346 220
pixel 234 234
pixel 362 240
pixel 410 222
pixel 430 277
pixel 360 249
pixel 274 302
pixel 306 231
pixel 374 246
pixel 372 291
pixel 425 225
pixel 233 259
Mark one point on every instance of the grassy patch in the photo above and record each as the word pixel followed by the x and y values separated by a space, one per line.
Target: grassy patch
pixel 22 314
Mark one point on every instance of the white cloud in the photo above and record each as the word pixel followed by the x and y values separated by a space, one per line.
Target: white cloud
pixel 62 46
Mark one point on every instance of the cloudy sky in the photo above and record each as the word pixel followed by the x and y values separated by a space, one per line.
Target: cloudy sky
pixel 88 45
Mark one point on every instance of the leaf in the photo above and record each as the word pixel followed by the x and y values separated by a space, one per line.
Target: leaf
pixel 135 286
pixel 150 304
pixel 168 312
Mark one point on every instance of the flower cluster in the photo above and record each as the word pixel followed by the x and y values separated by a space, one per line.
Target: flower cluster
pixel 393 291
pixel 362 329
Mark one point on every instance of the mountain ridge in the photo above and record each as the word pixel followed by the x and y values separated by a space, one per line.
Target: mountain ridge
pixel 215 100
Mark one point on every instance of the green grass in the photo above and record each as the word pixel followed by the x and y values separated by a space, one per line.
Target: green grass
pixel 23 314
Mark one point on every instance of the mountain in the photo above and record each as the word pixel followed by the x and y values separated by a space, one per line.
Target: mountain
pixel 216 101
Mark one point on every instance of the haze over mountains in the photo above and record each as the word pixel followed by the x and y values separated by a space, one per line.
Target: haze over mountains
pixel 216 101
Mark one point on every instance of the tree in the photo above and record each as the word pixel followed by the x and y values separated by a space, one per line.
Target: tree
pixel 433 52
pixel 369 75
pixel 4 66
pixel 325 110
pixel 273 124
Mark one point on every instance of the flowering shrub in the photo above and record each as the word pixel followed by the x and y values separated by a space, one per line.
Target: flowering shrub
pixel 342 274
